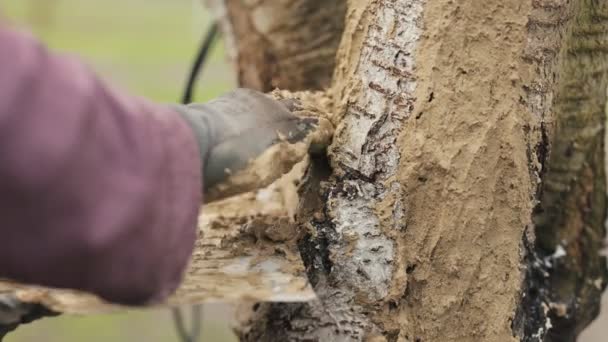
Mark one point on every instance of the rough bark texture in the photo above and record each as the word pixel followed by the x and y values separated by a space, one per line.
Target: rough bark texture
pixel 289 44
pixel 445 113
pixel 464 195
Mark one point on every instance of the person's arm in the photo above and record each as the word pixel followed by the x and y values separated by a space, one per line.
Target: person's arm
pixel 98 191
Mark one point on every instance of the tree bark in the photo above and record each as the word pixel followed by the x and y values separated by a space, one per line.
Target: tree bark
pixel 568 275
pixel 463 198
pixel 287 44
pixel 464 195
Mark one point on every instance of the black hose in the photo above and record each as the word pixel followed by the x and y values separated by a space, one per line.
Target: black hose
pixel 203 52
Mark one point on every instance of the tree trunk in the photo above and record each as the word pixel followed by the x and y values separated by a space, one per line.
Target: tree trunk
pixel 463 197
pixel 289 44
pixel 569 219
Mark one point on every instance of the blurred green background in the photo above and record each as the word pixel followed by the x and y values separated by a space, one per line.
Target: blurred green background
pixel 145 47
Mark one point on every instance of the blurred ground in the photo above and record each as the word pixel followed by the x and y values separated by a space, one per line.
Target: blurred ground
pixel 145 47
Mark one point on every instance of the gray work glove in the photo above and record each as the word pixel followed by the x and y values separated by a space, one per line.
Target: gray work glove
pixel 237 127
pixel 13 312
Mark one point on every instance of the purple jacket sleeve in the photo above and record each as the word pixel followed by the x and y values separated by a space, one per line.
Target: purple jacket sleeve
pixel 98 191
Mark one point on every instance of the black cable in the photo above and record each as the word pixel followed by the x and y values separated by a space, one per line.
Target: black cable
pixel 203 52
pixel 197 310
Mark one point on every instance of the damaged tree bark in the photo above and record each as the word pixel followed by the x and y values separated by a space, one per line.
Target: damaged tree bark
pixel 465 193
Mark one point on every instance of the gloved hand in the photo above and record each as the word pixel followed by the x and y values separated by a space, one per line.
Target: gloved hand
pixel 13 312
pixel 237 127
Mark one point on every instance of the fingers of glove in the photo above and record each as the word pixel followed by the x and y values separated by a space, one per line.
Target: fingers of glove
pixel 299 129
pixel 242 102
pixel 241 110
pixel 239 126
pixel 235 152
pixel 227 158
